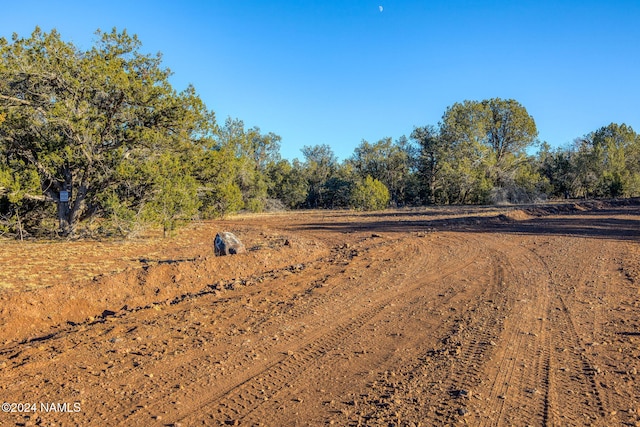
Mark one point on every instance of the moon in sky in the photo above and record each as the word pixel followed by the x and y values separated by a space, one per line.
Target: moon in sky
pixel 381 9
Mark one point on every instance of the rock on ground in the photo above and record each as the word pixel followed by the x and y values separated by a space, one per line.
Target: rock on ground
pixel 227 243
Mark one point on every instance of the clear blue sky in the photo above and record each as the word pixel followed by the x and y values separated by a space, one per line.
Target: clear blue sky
pixel 337 72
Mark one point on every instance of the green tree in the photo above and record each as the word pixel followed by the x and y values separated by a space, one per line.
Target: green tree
pixel 320 165
pixel 466 180
pixel 620 167
pixel 151 189
pixel 338 188
pixel 254 151
pixel 556 168
pixel 510 129
pixel 527 185
pixel 386 162
pixel 586 163
pixel 489 139
pixel 433 158
pixel 606 162
pixel 74 116
pixel 287 182
pixel 369 194
pixel 173 197
pixel 216 171
pixel 16 184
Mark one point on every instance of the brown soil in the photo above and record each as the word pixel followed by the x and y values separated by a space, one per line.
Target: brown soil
pixel 449 316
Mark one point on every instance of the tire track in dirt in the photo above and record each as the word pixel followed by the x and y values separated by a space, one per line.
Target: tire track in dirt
pixel 470 354
pixel 377 394
pixel 576 382
pixel 259 390
pixel 542 367
pixel 570 375
pixel 286 316
pixel 110 328
pixel 238 364
pixel 412 382
pixel 541 382
pixel 518 374
pixel 472 345
pixel 244 398
pixel 576 376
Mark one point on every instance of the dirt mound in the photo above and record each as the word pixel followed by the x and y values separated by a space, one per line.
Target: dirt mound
pixel 26 315
pixel 577 207
pixel 517 215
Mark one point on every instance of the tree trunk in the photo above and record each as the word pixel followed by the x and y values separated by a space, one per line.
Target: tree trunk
pixel 432 188
pixel 78 205
pixel 63 218
pixel 64 211
pixel 20 229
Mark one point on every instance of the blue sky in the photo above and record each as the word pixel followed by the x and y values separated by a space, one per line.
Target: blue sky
pixel 337 72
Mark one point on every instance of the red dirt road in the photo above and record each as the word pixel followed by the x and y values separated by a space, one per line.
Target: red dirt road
pixel 481 317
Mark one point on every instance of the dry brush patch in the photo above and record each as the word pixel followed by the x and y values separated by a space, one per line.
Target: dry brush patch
pixel 32 265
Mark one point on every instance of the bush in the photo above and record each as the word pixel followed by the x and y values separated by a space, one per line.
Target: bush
pixel 369 195
pixel 220 199
pixel 255 205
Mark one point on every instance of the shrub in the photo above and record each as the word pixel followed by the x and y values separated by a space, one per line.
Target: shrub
pixel 369 195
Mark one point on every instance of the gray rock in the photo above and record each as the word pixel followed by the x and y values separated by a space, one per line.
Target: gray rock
pixel 227 243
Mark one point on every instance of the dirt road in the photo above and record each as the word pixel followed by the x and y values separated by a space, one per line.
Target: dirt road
pixel 478 317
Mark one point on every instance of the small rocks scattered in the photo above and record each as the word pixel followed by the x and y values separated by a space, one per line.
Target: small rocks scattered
pixel 459 393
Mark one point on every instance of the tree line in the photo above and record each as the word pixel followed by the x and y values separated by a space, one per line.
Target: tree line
pixel 98 142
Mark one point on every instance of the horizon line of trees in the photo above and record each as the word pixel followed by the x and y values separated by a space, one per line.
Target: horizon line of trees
pixel 99 142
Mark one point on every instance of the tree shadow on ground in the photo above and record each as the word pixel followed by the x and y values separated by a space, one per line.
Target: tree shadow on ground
pixel 620 223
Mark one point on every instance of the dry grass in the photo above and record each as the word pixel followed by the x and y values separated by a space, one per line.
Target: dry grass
pixel 31 265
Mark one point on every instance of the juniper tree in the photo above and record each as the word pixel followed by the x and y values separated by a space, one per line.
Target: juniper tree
pixel 73 117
